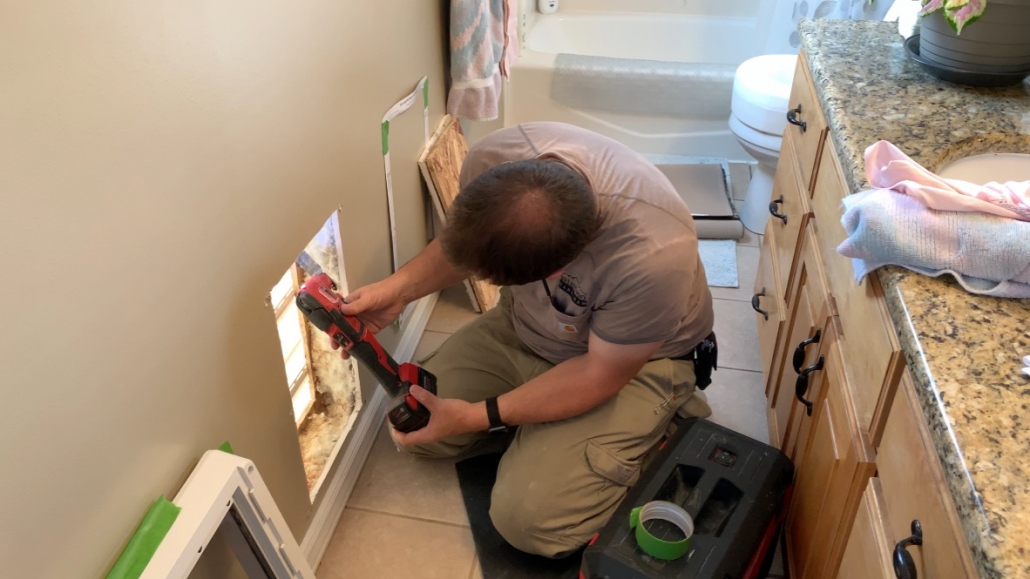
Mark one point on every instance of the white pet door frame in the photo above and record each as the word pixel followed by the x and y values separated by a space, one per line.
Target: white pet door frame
pixel 225 492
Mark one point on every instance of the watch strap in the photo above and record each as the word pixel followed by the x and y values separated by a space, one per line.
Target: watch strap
pixel 493 414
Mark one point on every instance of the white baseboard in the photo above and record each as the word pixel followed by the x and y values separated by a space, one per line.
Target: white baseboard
pixel 363 436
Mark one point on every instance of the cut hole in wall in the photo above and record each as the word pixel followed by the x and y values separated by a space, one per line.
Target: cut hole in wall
pixel 324 388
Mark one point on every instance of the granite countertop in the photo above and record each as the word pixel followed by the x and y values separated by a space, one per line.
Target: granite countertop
pixel 963 350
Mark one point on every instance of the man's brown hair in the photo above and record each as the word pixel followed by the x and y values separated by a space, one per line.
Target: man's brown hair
pixel 520 222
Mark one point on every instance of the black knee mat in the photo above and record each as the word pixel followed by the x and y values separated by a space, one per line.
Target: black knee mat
pixel 497 558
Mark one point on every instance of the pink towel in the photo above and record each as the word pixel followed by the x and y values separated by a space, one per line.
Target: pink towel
pixel 888 168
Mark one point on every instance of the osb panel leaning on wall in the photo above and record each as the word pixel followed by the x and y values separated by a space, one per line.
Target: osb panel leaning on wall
pixel 441 168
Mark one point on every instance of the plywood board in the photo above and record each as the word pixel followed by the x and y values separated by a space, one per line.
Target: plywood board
pixel 440 165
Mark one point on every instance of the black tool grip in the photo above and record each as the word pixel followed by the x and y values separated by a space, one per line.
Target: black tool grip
pixel 378 362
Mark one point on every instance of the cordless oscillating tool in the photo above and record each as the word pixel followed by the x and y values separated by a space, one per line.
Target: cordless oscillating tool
pixel 319 301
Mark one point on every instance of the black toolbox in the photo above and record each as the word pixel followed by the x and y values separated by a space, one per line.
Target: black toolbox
pixel 735 488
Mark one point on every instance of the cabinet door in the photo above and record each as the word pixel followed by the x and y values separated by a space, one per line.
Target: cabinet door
pixel 835 463
pixel 867 554
pixel 767 302
pixel 914 489
pixel 789 211
pixel 807 125
pixel 803 332
pixel 870 345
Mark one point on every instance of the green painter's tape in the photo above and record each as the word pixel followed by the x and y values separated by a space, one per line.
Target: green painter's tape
pixel 145 540
pixel 226 447
pixel 386 137
pixel 425 94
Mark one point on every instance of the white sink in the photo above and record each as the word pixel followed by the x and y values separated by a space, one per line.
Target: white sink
pixel 998 167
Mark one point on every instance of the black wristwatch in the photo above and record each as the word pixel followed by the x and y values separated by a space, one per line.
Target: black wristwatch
pixel 494 415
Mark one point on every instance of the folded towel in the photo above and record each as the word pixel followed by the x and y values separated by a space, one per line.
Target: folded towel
pixel 987 254
pixel 480 32
pixel 888 168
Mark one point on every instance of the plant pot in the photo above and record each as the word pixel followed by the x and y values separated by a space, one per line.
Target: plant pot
pixel 998 42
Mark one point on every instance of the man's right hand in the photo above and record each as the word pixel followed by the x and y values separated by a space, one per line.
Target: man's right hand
pixel 376 305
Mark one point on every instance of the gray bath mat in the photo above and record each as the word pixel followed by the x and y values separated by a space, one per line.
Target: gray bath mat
pixel 720 259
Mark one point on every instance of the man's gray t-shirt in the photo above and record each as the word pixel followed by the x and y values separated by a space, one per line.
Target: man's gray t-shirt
pixel 639 280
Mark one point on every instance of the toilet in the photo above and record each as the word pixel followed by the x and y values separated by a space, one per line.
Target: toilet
pixel 758 116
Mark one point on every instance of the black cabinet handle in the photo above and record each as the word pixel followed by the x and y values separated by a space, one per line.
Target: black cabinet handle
pixel 799 352
pixel 755 303
pixel 904 566
pixel 772 209
pixel 801 386
pixel 793 119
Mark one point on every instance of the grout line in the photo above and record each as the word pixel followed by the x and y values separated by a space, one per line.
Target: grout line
pixel 746 300
pixel 409 517
pixel 740 369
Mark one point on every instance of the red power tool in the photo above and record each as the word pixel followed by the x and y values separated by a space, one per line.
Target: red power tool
pixel 319 301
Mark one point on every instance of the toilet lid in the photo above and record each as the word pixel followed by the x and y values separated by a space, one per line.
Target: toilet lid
pixel 761 90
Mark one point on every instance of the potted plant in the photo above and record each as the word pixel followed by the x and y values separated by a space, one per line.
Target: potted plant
pixel 997 39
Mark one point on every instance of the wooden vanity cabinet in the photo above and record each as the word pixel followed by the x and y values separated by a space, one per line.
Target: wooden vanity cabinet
pixel 865 463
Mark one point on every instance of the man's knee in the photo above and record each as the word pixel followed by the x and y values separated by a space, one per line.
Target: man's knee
pixel 441 449
pixel 461 446
pixel 533 527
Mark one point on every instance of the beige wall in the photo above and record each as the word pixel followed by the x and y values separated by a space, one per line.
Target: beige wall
pixel 161 164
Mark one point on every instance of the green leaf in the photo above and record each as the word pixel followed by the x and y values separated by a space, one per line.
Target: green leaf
pixel 970 12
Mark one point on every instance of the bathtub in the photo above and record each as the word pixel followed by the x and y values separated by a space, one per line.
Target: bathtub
pixel 719 41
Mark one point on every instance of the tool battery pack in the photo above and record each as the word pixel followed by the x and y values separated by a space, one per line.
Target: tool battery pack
pixel 735 488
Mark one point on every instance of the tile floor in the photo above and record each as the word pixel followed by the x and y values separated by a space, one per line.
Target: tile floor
pixel 387 508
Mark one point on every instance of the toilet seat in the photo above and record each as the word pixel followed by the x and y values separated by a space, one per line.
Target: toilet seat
pixel 761 92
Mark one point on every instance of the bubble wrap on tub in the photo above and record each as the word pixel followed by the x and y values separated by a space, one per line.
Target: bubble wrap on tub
pixel 629 85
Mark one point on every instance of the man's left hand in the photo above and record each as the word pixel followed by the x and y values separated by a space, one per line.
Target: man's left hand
pixel 448 417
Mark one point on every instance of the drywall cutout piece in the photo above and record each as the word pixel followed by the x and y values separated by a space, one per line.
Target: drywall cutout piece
pixel 440 165
pixel 226 492
pixel 395 111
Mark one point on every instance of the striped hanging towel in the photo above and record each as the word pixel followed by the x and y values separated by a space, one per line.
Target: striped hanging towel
pixel 483 46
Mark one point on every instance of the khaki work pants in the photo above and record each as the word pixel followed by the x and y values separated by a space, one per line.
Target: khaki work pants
pixel 558 482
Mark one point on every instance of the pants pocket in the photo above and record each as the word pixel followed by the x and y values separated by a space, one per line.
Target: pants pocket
pixel 608 465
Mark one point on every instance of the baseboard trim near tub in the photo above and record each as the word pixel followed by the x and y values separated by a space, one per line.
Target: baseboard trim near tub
pixel 363 436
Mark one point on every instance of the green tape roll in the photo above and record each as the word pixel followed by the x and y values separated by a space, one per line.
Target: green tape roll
pixel 145 540
pixel 664 511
